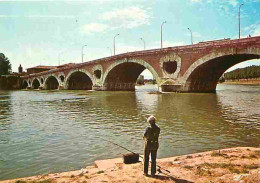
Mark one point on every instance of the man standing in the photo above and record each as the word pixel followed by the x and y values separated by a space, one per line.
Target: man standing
pixel 151 136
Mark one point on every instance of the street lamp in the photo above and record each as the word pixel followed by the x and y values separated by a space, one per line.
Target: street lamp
pixel 82 53
pixel 115 43
pixel 143 42
pixel 190 35
pixel 162 33
pixel 239 18
pixel 110 50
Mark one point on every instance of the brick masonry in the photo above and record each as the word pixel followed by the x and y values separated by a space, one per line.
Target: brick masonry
pixel 198 67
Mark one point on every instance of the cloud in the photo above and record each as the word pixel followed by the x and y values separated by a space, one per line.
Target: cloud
pixel 37 16
pixel 94 27
pixel 50 16
pixel 230 2
pixel 253 29
pixel 256 32
pixel 127 18
pixel 8 16
pixel 233 2
pixel 195 1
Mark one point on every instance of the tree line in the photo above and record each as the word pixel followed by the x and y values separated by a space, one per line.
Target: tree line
pixel 5 65
pixel 243 73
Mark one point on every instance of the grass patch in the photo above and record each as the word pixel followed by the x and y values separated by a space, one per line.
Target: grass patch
pixel 252 166
pixel 188 167
pixel 99 172
pixel 244 171
pixel 203 172
pixel 177 159
pixel 81 174
pixel 231 167
pixel 252 156
pixel 72 176
pixel 217 153
pixel 41 181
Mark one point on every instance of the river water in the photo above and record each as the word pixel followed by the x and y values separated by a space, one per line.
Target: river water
pixel 53 131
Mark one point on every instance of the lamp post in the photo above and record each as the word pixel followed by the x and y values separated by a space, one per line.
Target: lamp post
pixel 143 42
pixel 162 33
pixel 239 19
pixel 115 43
pixel 82 54
pixel 190 35
pixel 110 50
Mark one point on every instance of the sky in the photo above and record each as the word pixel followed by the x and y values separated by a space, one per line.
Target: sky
pixel 51 32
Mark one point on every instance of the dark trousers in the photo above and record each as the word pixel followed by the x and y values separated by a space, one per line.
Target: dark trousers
pixel 147 152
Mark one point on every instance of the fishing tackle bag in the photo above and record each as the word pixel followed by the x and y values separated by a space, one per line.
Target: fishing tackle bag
pixel 130 158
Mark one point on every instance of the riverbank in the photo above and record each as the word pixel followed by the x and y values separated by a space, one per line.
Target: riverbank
pixel 254 81
pixel 240 164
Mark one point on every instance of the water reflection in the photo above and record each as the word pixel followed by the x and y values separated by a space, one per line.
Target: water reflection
pixel 63 130
pixel 4 107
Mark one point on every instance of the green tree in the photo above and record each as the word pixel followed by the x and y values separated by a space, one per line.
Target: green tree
pixel 5 66
pixel 244 73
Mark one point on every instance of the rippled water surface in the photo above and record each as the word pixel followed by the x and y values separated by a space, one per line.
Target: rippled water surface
pixel 53 131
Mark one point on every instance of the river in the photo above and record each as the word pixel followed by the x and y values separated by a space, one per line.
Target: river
pixel 53 131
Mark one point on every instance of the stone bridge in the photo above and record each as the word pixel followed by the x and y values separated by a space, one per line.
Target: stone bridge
pixel 192 68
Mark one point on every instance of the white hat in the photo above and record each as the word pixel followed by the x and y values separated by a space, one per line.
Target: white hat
pixel 151 118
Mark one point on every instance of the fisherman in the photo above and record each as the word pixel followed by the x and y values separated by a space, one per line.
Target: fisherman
pixel 151 136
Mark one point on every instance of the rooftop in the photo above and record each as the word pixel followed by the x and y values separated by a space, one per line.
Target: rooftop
pixel 43 67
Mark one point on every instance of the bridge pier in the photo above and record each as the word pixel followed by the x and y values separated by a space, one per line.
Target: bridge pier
pixel 171 88
pixel 60 87
pixel 115 87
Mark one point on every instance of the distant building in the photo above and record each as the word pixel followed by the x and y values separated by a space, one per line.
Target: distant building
pixel 42 68
pixel 19 73
pixel 20 69
pixel 39 68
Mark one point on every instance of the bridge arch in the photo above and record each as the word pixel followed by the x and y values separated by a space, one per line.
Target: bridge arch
pixel 79 79
pixel 122 75
pixel 203 75
pixel 35 83
pixel 25 84
pixel 51 83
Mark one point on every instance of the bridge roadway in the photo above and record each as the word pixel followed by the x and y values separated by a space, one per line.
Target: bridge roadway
pixel 191 68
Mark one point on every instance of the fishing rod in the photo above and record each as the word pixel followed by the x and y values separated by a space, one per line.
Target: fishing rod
pixel 119 146
pixel 159 170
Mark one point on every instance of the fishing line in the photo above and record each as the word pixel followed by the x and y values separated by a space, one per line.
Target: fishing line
pixel 135 153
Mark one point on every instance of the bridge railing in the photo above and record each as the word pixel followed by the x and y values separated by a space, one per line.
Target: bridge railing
pixel 198 46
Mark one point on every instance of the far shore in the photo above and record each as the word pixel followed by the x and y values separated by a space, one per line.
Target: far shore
pixel 239 164
pixel 243 82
